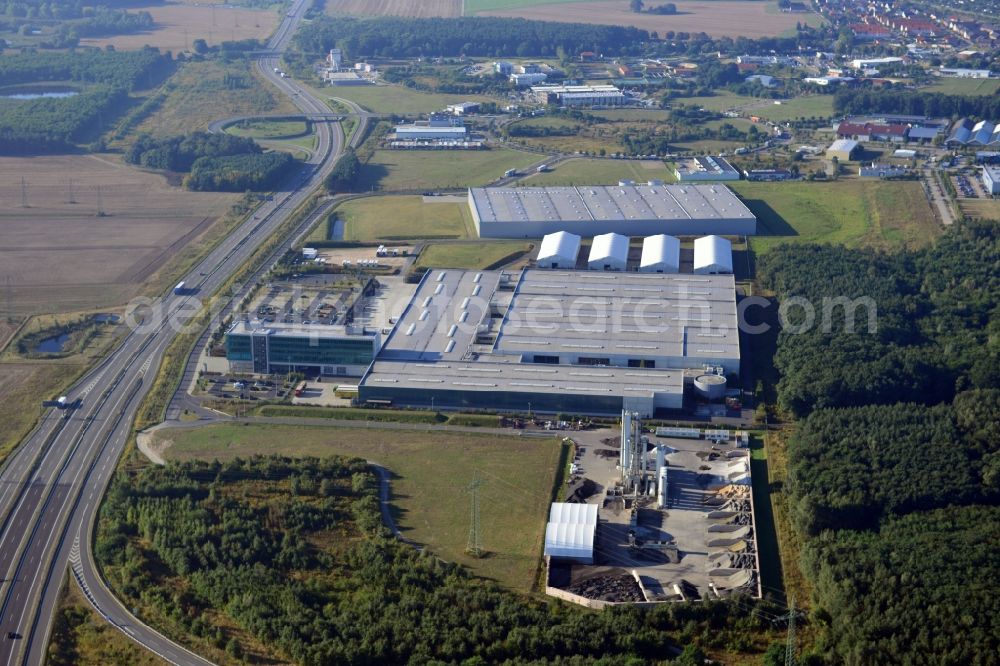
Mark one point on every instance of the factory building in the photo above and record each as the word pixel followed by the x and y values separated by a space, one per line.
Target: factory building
pixel 660 254
pixel 559 250
pixel 844 150
pixel 630 210
pixel 548 341
pixel 991 178
pixel 278 348
pixel 579 96
pixel 608 252
pixel 713 255
pixel 429 133
pixel 706 168
pixel 570 532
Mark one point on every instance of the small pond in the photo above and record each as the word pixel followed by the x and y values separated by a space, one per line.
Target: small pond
pixel 52 345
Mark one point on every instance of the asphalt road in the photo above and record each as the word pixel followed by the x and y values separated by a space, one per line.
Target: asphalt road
pixel 51 487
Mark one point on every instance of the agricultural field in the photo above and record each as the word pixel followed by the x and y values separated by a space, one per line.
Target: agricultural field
pixel 723 100
pixel 951 86
pixel 394 218
pixel 579 171
pixel 471 256
pixel 820 106
pixel 178 24
pixel 415 8
pixel 208 90
pixel 23 387
pixel 718 18
pixel 852 212
pixel 431 471
pixel 395 170
pixel 93 231
pixel 399 100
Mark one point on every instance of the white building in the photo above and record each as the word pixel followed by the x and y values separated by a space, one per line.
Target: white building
pixel 462 108
pixel 705 168
pixel 713 255
pixel 991 178
pixel 608 252
pixel 559 250
pixel 865 63
pixel 660 254
pixel 964 73
pixel 570 532
pixel 335 59
pixel 529 79
pixel 428 133
pixel 597 95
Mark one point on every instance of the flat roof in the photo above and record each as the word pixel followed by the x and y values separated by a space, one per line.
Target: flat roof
pixel 707 165
pixel 621 313
pixel 606 203
pixel 843 144
pixel 299 330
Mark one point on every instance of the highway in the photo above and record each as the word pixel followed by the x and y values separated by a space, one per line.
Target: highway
pixel 52 485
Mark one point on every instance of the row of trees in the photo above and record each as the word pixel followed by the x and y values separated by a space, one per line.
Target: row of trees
pixel 870 100
pixel 927 329
pixel 52 125
pixel 179 153
pixel 245 538
pixel 118 69
pixel 396 37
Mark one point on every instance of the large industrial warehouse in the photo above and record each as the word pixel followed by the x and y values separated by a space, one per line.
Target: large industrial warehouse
pixel 555 341
pixel 631 210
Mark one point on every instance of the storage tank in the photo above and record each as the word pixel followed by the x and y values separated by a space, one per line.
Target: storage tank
pixel 711 387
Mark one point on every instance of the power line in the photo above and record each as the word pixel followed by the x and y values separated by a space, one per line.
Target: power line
pixel 474 546
pixel 790 641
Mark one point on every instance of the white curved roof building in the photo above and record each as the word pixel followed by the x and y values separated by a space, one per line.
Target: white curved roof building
pixel 713 255
pixel 559 250
pixel 660 254
pixel 570 531
pixel 608 252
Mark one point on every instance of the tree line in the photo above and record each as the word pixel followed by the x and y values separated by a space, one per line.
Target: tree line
pixel 292 552
pixel 214 162
pixel 868 100
pixel 397 37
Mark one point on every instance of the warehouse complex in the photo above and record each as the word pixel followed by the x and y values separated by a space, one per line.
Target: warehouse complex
pixel 632 210
pixel 555 341
pixel 274 347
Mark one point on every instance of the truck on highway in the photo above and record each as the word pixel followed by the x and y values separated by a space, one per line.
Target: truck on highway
pixel 180 288
pixel 509 172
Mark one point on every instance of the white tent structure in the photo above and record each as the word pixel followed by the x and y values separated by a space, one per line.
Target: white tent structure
pixel 660 254
pixel 559 250
pixel 570 532
pixel 713 255
pixel 608 252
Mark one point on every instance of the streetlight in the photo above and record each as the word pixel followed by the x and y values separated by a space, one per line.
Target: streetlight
pixel 529 410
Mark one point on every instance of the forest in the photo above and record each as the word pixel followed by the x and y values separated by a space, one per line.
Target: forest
pixel 848 101
pixel 214 162
pixel 396 37
pixel 937 330
pixel 292 553
pixel 894 471
pixel 119 69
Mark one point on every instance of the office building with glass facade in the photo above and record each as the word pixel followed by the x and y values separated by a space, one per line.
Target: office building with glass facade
pixel 315 349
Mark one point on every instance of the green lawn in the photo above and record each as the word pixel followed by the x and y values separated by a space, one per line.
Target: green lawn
pixel 269 129
pixel 633 115
pixel 439 169
pixel 431 473
pixel 402 218
pixel 399 99
pixel 723 100
pixel 851 212
pixel 799 107
pixel 951 86
pixel 580 171
pixel 469 255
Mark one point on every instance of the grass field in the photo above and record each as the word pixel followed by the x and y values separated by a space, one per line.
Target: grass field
pixel 417 8
pixel 820 106
pixel 722 101
pixel 951 86
pixel 402 218
pixel 60 256
pixel 199 94
pixel 852 212
pixel 718 18
pixel 400 99
pixel 178 24
pixel 469 255
pixel 269 129
pixel 431 472
pixel 986 209
pixel 439 169
pixel 580 171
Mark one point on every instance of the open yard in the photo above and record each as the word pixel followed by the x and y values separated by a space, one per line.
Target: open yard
pixel 431 472
pixel 439 169
pixel 471 255
pixel 60 255
pixel 580 171
pixel 418 8
pixel 953 86
pixel 718 18
pixel 203 91
pixel 178 24
pixel 852 212
pixel 399 100
pixel 401 218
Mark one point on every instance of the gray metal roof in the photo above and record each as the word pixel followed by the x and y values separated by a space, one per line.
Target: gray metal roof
pixel 605 203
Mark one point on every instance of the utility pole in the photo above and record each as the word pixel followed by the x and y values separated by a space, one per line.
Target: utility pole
pixel 72 198
pixel 790 640
pixel 474 546
pixel 100 209
pixel 24 193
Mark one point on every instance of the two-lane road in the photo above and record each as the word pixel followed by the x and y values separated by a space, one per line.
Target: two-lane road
pixel 51 487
